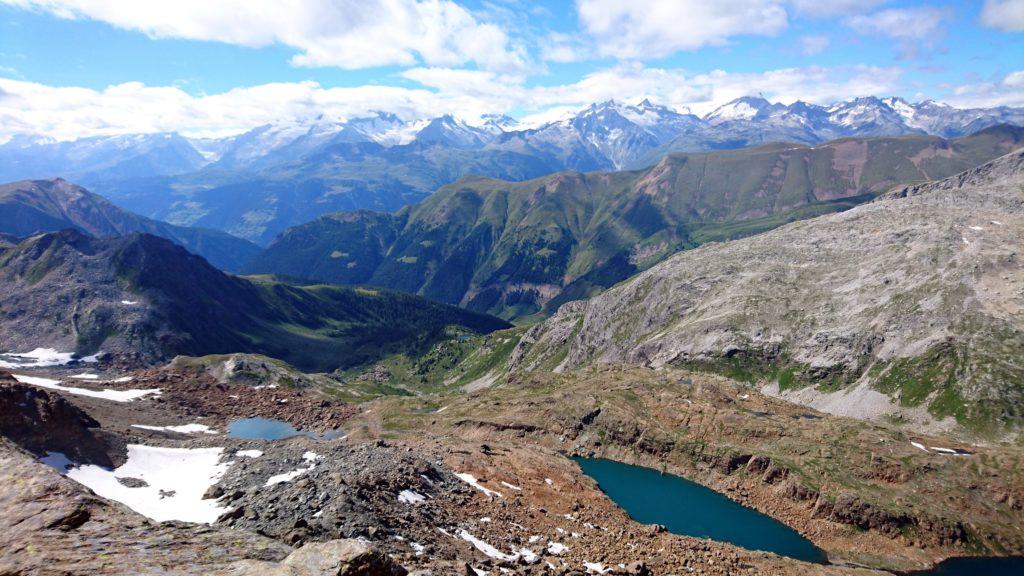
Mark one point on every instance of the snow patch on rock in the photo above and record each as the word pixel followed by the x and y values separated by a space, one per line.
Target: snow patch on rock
pixel 105 394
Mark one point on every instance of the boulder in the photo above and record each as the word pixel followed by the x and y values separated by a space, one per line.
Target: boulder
pixel 332 558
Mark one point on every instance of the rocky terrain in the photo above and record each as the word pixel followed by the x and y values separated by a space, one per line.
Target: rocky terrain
pixel 863 492
pixel 908 308
pixel 52 525
pixel 429 499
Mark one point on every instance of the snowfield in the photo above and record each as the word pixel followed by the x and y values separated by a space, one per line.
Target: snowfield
pixel 176 480
pixel 487 548
pixel 38 358
pixel 105 394
pixel 181 429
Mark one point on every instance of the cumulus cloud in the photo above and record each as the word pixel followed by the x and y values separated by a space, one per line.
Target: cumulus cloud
pixel 641 29
pixel 348 34
pixel 911 28
pixel 1006 15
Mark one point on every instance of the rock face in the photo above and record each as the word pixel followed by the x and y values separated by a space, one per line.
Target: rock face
pixel 41 422
pixel 331 558
pixel 911 304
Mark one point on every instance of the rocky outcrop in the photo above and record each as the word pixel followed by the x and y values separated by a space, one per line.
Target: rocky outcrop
pixel 331 558
pixel 188 390
pixel 340 492
pixel 42 422
pixel 250 369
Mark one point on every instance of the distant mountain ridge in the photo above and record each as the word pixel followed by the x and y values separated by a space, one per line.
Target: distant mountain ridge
pixel 33 206
pixel 517 248
pixel 257 184
pixel 146 300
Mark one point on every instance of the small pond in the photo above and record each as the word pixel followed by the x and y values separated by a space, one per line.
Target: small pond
pixel 687 508
pixel 271 429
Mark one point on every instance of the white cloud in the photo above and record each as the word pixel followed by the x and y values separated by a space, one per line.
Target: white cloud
pixel 811 44
pixel 1014 79
pixel 911 28
pixel 1006 15
pixel 1009 91
pixel 348 34
pixel 641 29
pixel 70 112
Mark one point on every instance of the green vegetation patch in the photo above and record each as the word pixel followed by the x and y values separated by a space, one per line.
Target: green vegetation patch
pixel 753 368
pixel 931 377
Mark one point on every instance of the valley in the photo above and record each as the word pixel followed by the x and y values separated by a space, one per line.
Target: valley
pixel 511 288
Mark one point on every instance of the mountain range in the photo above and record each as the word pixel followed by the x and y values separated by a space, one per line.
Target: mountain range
pixel 517 248
pixel 32 206
pixel 910 308
pixel 257 184
pixel 145 299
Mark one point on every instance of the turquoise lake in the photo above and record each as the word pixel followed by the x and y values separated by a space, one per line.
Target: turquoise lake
pixel 687 508
pixel 270 429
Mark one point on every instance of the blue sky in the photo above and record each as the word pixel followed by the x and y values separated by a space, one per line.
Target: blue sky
pixel 78 67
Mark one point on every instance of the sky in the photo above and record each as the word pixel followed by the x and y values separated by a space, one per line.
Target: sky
pixel 75 68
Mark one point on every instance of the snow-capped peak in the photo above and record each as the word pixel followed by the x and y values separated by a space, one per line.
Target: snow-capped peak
pixel 450 131
pixel 745 108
